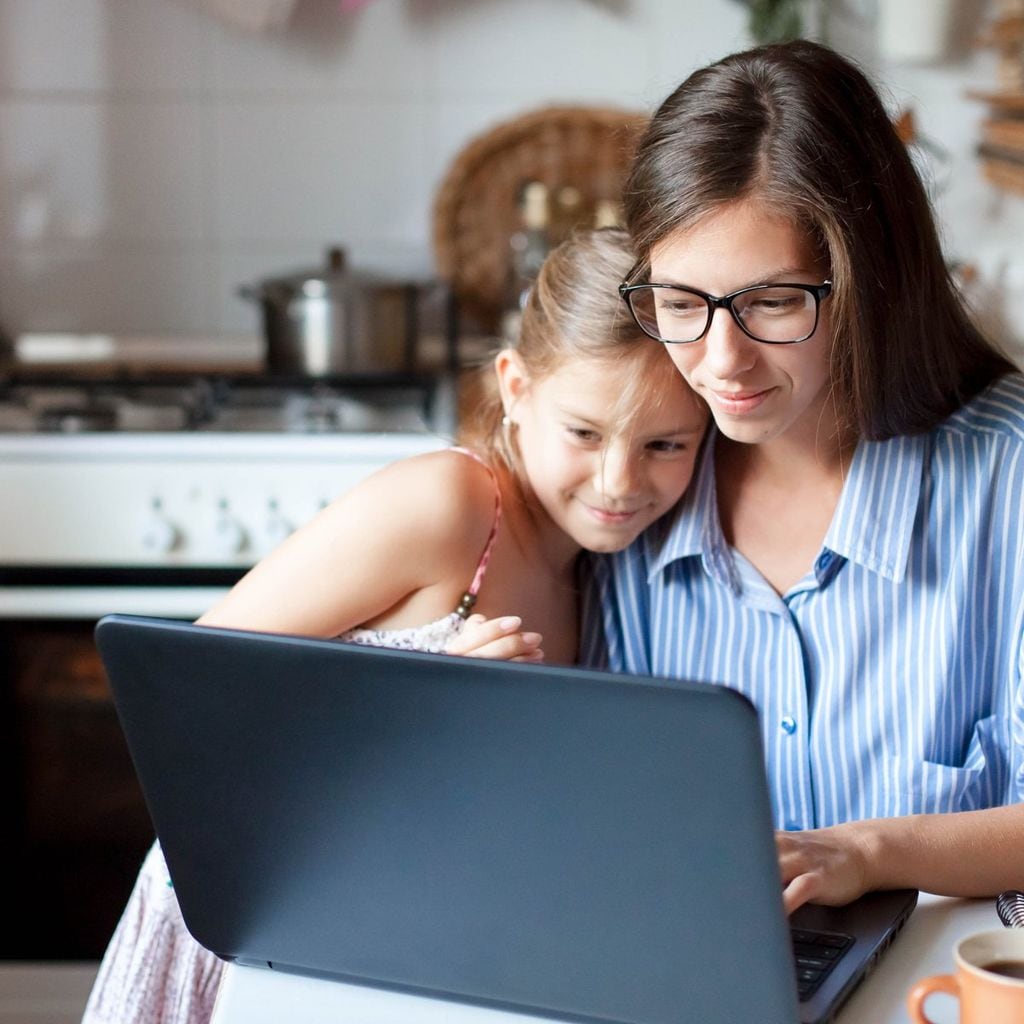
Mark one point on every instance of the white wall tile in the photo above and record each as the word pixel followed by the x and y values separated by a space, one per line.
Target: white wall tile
pixel 376 52
pixel 51 168
pixel 686 36
pixel 88 288
pixel 94 170
pixel 155 45
pixel 50 44
pixel 152 158
pixel 538 51
pixel 320 171
pixel 99 45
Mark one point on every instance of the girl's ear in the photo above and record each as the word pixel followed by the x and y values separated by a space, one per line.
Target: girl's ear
pixel 513 380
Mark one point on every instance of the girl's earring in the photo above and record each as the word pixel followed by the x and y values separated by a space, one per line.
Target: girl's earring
pixel 507 442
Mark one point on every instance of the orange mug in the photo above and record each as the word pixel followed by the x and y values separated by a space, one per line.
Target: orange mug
pixel 989 981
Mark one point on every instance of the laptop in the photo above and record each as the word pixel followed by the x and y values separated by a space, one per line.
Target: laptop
pixel 566 843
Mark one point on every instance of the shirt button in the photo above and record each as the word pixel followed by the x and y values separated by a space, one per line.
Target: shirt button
pixel 825 560
pixel 788 725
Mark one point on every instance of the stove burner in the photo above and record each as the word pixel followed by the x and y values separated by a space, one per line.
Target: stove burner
pixel 319 412
pixel 77 419
pixel 221 405
pixel 321 416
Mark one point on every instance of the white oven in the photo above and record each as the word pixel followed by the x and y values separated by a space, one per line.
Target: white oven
pixel 160 524
pixel 145 499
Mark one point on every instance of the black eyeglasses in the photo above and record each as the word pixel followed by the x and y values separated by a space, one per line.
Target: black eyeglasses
pixel 776 314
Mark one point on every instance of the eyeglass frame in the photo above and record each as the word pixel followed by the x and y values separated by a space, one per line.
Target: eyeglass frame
pixel 716 302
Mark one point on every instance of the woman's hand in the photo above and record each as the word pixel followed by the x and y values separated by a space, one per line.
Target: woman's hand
pixel 826 865
pixel 967 853
pixel 500 639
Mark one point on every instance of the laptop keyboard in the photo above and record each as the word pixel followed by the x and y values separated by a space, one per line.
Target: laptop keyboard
pixel 816 953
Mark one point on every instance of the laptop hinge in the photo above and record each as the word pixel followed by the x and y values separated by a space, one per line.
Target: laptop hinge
pixel 245 962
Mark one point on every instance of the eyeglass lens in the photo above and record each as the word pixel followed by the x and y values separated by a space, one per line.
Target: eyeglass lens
pixel 773 313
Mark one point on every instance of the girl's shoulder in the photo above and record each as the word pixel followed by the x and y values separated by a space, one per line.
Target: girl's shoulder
pixel 452 474
pixel 445 492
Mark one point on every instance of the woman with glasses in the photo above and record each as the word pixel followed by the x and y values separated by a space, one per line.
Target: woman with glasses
pixel 850 554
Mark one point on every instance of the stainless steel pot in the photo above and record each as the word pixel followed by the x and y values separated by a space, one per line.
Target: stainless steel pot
pixel 333 321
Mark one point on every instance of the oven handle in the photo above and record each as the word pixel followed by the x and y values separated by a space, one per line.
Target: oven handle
pixel 93 602
pixel 119 576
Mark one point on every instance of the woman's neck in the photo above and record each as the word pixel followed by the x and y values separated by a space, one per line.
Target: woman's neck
pixel 790 462
pixel 776 501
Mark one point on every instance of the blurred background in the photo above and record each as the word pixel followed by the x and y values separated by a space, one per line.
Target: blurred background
pixel 247 248
pixel 155 154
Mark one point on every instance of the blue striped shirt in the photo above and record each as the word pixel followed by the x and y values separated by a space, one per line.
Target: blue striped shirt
pixel 889 679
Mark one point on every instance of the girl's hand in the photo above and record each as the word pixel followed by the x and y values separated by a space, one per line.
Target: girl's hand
pixel 500 639
pixel 826 865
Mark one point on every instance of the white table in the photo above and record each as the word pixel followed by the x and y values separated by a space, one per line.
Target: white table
pixel 249 995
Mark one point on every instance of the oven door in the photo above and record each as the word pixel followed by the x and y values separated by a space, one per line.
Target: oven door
pixel 78 827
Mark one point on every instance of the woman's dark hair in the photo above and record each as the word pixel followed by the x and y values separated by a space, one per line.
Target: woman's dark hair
pixel 801 129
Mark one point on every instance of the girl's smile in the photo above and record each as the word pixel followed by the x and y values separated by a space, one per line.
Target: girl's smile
pixel 609 516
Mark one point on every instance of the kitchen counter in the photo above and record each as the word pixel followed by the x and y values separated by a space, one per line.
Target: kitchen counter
pixel 249 995
pixel 107 355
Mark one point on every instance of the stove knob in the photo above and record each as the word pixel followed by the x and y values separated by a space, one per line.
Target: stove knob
pixel 229 534
pixel 160 535
pixel 277 529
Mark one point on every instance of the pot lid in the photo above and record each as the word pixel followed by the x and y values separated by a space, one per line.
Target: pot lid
pixel 331 276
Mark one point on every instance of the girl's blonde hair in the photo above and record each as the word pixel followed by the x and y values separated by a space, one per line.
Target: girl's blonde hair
pixel 574 312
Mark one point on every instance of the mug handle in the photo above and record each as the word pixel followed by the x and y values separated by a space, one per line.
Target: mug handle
pixel 924 988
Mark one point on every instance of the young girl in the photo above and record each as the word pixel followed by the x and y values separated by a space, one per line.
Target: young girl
pixel 851 554
pixel 582 438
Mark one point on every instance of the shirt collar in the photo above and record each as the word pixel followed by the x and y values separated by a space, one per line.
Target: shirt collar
pixel 873 523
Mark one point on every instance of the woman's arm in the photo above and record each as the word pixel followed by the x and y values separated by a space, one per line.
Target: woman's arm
pixel 970 853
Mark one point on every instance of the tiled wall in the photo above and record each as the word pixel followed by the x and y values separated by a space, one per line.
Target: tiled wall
pixel 152 159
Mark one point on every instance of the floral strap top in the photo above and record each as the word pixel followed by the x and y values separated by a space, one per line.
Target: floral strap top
pixel 434 637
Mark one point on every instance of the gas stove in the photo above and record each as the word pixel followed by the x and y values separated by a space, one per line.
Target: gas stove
pixel 223 405
pixel 153 495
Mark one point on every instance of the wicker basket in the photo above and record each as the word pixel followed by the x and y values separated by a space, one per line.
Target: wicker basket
pixel 477 208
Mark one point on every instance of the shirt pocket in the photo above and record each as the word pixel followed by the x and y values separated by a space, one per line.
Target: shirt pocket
pixel 913 786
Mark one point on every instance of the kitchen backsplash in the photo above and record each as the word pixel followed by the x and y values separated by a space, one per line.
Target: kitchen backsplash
pixel 152 159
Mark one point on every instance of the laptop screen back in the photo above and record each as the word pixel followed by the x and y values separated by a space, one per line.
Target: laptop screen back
pixel 553 840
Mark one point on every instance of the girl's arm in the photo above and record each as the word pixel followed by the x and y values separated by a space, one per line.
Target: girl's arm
pixel 405 541
pixel 968 853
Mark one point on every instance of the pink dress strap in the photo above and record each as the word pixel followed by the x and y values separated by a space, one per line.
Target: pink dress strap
pixel 468 599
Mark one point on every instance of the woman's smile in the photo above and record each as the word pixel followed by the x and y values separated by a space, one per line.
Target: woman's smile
pixel 738 403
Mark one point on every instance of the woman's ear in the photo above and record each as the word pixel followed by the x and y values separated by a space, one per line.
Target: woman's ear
pixel 513 380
